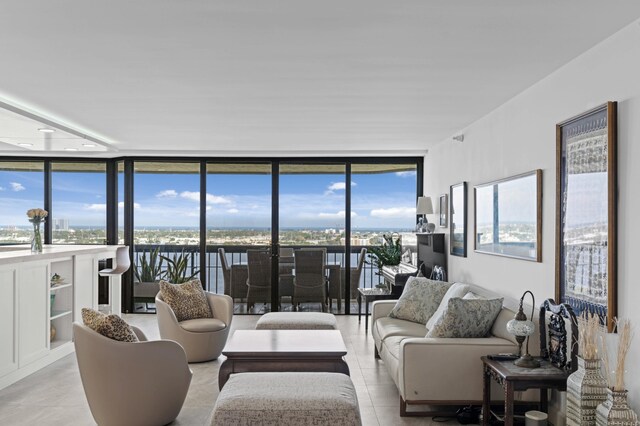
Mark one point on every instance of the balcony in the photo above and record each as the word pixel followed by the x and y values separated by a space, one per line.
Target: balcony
pixel 237 255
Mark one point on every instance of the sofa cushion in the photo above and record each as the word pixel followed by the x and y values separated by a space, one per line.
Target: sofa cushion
pixel 466 318
pixel 392 345
pixel 111 326
pixel 387 327
pixel 188 300
pixel 203 325
pixel 455 290
pixel 420 299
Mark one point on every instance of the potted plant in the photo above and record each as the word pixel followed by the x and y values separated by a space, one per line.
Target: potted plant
pixel 178 267
pixel 387 254
pixel 148 273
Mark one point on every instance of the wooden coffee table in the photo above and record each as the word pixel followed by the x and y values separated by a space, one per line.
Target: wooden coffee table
pixel 283 350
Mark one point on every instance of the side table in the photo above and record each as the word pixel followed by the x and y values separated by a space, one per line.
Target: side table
pixel 513 378
pixel 369 295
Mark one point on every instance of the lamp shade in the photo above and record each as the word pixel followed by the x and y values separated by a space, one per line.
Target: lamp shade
pixel 521 328
pixel 425 206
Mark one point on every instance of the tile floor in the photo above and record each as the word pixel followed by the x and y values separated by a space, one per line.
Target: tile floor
pixel 54 395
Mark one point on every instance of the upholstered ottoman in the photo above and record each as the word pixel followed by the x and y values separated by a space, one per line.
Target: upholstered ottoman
pixel 274 399
pixel 297 321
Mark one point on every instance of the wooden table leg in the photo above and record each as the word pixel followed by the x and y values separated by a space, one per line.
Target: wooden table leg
pixel 486 397
pixel 544 400
pixel 226 368
pixel 366 313
pixel 508 403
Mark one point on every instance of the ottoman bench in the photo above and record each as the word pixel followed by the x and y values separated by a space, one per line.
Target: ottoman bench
pixel 274 399
pixel 297 321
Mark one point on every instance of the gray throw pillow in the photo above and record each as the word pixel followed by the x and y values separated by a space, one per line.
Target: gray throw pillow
pixel 466 318
pixel 420 299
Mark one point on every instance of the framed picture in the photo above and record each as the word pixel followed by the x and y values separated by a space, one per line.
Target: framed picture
pixel 586 226
pixel 458 212
pixel 508 217
pixel 444 208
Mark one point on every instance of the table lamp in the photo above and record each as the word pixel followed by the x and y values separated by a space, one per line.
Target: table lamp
pixel 522 328
pixel 424 207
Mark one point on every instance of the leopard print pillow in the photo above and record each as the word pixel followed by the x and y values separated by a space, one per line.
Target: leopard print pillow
pixel 111 326
pixel 188 300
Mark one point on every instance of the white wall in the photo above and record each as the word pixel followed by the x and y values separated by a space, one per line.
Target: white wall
pixel 520 136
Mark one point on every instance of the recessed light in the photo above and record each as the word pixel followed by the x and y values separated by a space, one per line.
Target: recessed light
pixel 89 145
pixel 25 144
pixel 46 130
pixel 71 149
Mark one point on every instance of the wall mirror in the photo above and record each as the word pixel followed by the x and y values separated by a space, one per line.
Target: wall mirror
pixel 508 217
pixel 458 219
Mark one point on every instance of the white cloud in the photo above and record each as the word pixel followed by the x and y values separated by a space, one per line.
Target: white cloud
pixel 1 188
pixel 339 215
pixel 338 186
pixel 233 211
pixel 408 173
pixel 98 207
pixel 167 193
pixel 17 187
pixel 211 199
pixel 135 205
pixel 394 212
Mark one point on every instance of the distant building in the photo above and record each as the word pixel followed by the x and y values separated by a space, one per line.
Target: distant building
pixel 60 224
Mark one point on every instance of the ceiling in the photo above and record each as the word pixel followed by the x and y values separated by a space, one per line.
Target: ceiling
pixel 295 77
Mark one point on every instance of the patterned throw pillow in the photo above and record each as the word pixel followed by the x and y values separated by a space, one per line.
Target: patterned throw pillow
pixel 188 301
pixel 456 290
pixel 420 299
pixel 467 318
pixel 111 326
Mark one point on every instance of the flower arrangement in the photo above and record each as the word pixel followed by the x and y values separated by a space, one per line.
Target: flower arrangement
pixel 37 215
pixel 589 331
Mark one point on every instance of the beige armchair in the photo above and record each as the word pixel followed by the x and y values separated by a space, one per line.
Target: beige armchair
pixel 202 339
pixel 142 383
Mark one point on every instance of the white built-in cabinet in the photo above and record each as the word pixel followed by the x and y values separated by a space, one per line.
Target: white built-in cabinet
pixel 37 314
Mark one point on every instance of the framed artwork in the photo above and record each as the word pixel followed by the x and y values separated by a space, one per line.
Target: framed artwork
pixel 444 208
pixel 586 226
pixel 458 217
pixel 508 217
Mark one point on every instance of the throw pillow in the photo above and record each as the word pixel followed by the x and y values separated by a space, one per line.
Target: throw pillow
pixel 420 299
pixel 188 301
pixel 111 326
pixel 466 318
pixel 456 290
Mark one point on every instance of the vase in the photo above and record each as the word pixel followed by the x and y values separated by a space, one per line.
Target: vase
pixel 615 411
pixel 586 389
pixel 36 242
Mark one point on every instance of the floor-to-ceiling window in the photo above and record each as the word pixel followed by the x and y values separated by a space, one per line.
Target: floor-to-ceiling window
pixel 166 218
pixel 238 212
pixel 383 202
pixel 21 189
pixel 120 186
pixel 78 202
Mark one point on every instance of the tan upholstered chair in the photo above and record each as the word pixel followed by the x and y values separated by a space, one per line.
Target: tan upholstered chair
pixel 202 339
pixel 142 383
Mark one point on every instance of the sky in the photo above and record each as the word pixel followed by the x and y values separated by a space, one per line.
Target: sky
pixel 378 200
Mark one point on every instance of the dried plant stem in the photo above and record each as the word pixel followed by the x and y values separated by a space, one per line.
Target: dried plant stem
pixel 624 331
pixel 589 328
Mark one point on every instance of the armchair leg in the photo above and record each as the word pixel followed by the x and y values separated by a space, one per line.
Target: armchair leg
pixel 376 354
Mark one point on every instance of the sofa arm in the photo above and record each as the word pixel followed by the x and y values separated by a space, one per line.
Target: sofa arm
pixel 422 370
pixel 381 308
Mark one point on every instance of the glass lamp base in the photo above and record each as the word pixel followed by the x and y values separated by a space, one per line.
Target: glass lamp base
pixel 527 361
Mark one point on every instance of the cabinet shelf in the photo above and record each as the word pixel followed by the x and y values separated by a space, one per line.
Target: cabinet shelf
pixel 61 286
pixel 59 314
pixel 58 342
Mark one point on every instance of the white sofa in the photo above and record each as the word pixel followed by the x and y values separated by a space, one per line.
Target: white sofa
pixel 440 371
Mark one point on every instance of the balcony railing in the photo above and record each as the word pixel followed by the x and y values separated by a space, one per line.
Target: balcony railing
pixel 238 254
